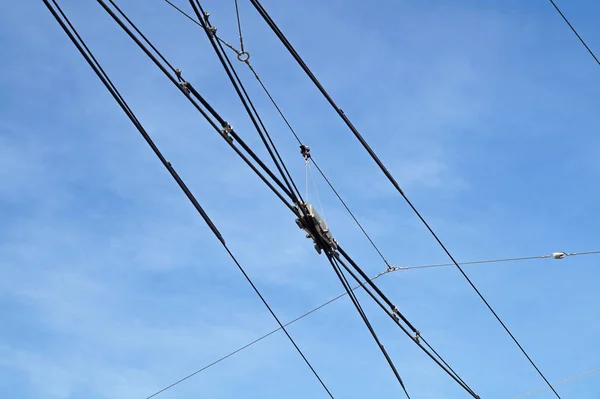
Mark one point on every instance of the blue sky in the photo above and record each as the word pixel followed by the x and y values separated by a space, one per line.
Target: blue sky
pixel 112 287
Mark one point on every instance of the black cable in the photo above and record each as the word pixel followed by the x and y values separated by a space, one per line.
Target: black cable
pixel 239 24
pixel 392 180
pixel 246 101
pixel 89 57
pixel 186 88
pixel 117 96
pixel 365 319
pixel 575 32
pixel 396 316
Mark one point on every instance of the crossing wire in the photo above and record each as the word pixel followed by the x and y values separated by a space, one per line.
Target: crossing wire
pixel 94 64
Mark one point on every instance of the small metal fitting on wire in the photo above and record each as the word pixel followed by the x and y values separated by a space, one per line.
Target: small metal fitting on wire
pixel 243 56
pixel 417 336
pixel 178 75
pixel 226 132
pixel 305 151
pixel 395 313
pixel 558 255
pixel 184 86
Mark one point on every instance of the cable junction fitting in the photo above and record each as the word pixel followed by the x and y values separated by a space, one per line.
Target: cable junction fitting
pixel 315 227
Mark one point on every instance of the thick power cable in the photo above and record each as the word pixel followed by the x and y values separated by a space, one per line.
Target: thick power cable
pixel 359 286
pixel 392 180
pixel 575 32
pixel 91 59
pixel 117 96
pixel 365 319
pixel 245 99
pixel 397 316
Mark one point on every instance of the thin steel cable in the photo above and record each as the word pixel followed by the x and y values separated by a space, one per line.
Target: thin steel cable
pixel 559 383
pixel 93 63
pixel 354 289
pixel 391 179
pixel 575 32
pixel 317 193
pixel 183 13
pixel 397 268
pixel 239 25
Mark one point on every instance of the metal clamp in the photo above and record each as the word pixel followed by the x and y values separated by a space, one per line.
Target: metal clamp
pixel 184 86
pixel 305 151
pixel 226 132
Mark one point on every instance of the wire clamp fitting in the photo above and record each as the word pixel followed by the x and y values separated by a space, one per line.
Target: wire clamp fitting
pixel 305 151
pixel 226 132
pixel 184 86
pixel 417 336
pixel 395 313
pixel 315 227
pixel 178 75
pixel 558 255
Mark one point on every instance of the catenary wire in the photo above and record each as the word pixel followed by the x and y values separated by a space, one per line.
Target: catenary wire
pixel 392 180
pixel 83 49
pixel 515 259
pixel 575 32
